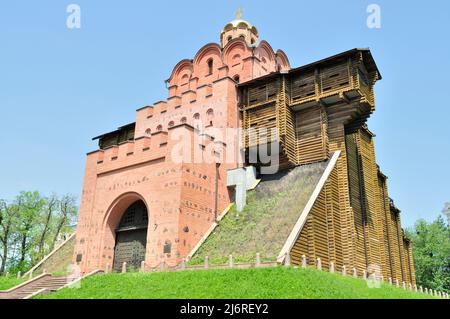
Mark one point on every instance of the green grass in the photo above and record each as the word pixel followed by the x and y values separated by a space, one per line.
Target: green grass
pixel 271 283
pixel 265 223
pixel 9 282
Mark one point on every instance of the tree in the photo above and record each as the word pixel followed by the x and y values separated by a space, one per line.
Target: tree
pixel 67 213
pixel 8 220
pixel 431 251
pixel 30 227
pixel 30 205
pixel 49 208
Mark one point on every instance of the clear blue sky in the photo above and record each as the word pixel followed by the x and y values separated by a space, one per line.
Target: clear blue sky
pixel 60 87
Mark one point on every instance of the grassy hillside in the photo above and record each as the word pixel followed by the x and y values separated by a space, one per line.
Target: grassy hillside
pixel 271 212
pixel 276 282
pixel 9 282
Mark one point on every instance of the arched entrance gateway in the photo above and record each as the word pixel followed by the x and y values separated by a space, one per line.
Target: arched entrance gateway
pixel 131 236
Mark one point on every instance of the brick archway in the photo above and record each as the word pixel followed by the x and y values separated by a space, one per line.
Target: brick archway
pixel 111 222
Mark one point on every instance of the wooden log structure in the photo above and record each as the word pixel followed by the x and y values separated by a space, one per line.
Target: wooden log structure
pixel 318 109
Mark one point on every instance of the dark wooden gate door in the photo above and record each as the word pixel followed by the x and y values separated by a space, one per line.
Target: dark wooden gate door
pixel 130 248
pixel 131 237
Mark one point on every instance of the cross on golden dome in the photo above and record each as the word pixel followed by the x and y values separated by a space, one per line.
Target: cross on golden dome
pixel 239 13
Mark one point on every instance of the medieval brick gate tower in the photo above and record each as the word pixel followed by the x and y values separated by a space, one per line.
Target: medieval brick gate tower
pixel 147 196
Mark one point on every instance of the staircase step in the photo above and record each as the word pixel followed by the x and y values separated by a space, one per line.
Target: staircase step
pixel 48 283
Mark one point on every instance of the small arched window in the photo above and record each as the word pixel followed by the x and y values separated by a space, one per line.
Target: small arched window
pixel 229 38
pixel 210 115
pixel 171 123
pixel 236 78
pixel 148 131
pixel 183 119
pixel 252 41
pixel 197 121
pixel 184 79
pixel 159 128
pixel 210 66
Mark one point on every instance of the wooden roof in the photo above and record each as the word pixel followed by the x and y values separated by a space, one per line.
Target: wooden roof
pixel 367 55
pixel 130 125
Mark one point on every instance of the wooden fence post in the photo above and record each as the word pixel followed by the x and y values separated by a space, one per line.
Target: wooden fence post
pixel 206 262
pixel 303 261
pixel 332 267
pixel 258 260
pixel 344 270
pixel 287 260
pixel 124 267
pixel 230 261
pixel 319 264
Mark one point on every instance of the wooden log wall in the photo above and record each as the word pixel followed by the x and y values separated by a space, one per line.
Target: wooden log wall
pixel 318 111
pixel 365 81
pixel 372 195
pixel 408 274
pixel 373 239
pixel 409 256
pixel 263 93
pixel 286 124
pixel 261 119
pixel 311 135
pixel 344 75
pixel 336 135
pixel 335 77
pixel 321 235
pixel 387 237
pixel 396 256
pixel 356 189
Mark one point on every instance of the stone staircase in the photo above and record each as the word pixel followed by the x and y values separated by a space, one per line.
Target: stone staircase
pixel 39 285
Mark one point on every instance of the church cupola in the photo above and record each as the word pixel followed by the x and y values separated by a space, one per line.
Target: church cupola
pixel 239 28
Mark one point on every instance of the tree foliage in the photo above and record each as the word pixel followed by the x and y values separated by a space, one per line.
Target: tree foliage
pixel 431 251
pixel 30 226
